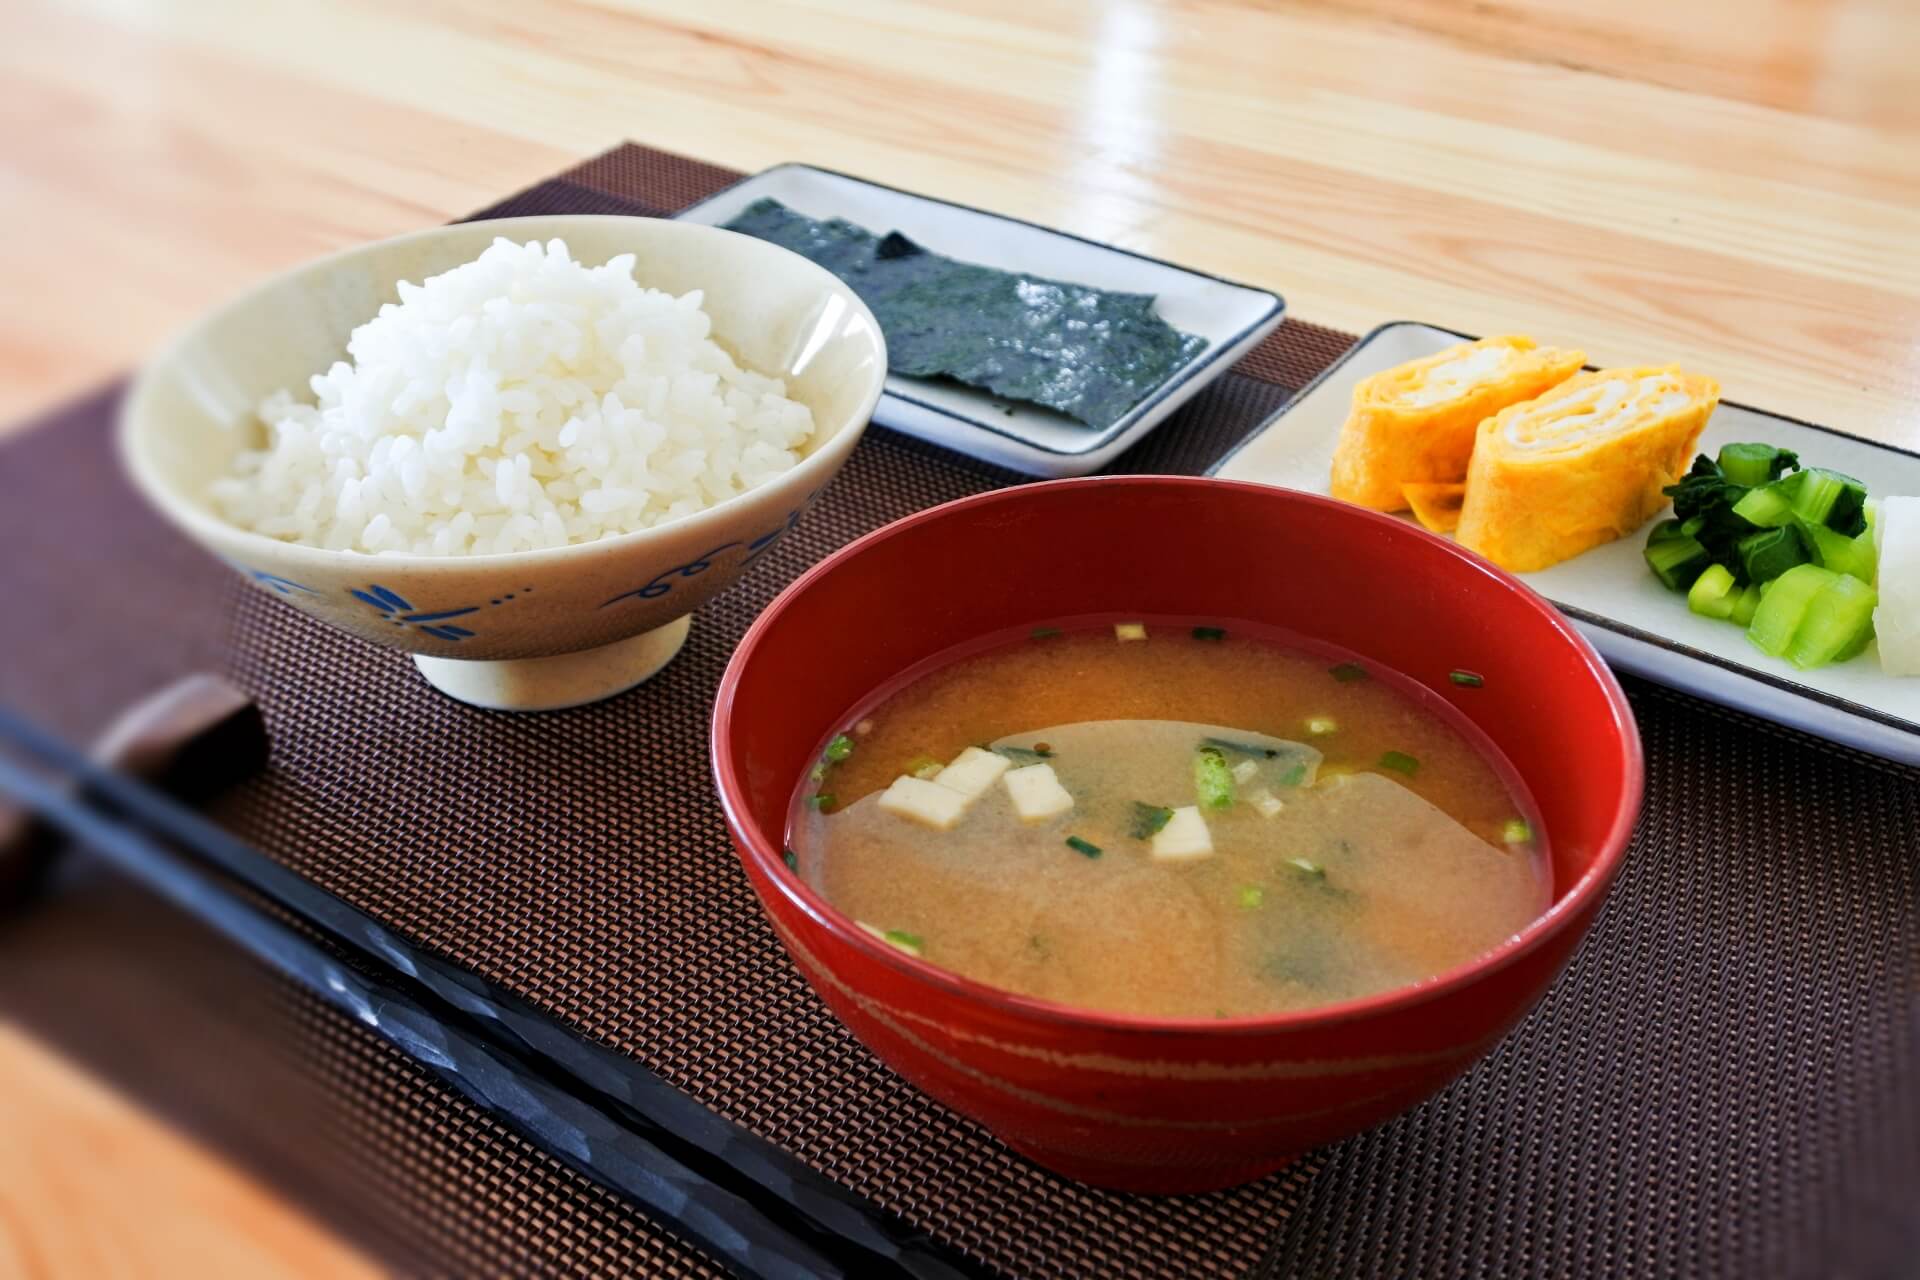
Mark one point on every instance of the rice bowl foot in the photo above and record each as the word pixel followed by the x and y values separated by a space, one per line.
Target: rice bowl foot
pixel 561 681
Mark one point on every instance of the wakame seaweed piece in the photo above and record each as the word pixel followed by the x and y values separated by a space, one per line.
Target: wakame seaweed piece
pixel 1256 750
pixel 1092 354
pixel 1148 819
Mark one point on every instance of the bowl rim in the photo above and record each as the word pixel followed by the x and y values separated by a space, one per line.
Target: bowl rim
pixel 1585 892
pixel 183 510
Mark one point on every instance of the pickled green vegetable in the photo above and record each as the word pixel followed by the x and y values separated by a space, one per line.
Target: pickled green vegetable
pixel 1838 623
pixel 1784 607
pixel 1752 465
pixel 1676 559
pixel 1713 593
pixel 1767 554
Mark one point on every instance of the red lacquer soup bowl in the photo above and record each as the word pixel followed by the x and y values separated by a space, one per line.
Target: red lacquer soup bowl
pixel 1157 1104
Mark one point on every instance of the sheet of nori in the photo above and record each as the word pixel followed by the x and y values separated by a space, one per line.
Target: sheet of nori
pixel 1092 354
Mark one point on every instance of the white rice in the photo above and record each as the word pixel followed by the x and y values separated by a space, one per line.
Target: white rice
pixel 517 402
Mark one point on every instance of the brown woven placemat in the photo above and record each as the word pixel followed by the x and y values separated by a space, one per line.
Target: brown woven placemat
pixel 1711 1089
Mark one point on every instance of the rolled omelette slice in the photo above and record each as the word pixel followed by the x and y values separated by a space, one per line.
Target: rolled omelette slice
pixel 1582 464
pixel 1414 423
pixel 1437 506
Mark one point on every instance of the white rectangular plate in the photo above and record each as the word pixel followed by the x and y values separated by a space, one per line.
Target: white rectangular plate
pixel 1637 624
pixel 1231 317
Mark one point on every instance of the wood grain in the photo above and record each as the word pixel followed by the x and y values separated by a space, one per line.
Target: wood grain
pixel 91 1187
pixel 1726 184
pixel 1730 183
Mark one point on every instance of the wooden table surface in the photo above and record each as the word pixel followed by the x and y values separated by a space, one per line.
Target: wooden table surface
pixel 1734 184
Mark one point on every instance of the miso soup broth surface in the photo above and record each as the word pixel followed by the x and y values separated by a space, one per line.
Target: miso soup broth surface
pixel 1365 878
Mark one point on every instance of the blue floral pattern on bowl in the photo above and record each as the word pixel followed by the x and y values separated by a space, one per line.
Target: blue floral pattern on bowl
pixel 438 623
pixel 661 583
pixel 392 606
pixel 275 583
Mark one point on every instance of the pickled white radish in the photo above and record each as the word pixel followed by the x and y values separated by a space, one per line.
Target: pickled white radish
pixel 1896 535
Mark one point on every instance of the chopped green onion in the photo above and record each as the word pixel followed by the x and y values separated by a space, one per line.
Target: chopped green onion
pixel 1025 755
pixel 908 942
pixel 1212 780
pixel 792 860
pixel 1467 679
pixel 1516 831
pixel 1321 726
pixel 1087 847
pixel 1209 633
pixel 839 749
pixel 1307 866
pixel 1400 762
pixel 1251 896
pixel 1148 819
pixel 821 801
pixel 818 773
pixel 1348 672
pixel 1294 776
pixel 1130 630
pixel 924 767
pixel 1042 633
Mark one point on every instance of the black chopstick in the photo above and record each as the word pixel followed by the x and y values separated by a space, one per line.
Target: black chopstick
pixel 751 1204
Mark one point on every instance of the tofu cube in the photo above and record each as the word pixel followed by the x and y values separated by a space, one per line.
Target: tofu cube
pixel 1036 792
pixel 924 802
pixel 1130 630
pixel 1184 836
pixel 1264 802
pixel 972 772
pixel 1244 771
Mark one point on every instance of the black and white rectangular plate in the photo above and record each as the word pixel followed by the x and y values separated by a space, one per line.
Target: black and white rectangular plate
pixel 1231 317
pixel 1635 623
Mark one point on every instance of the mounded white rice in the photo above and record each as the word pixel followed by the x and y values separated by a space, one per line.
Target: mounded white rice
pixel 517 402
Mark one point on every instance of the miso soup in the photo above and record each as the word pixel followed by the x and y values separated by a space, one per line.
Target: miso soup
pixel 1174 820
